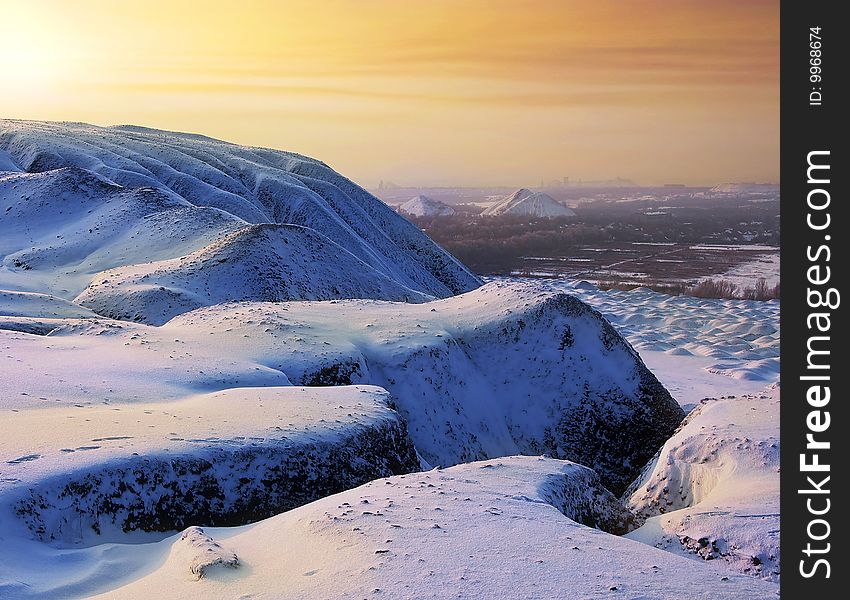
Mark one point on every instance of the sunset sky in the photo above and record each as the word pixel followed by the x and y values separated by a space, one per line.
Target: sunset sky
pixel 458 92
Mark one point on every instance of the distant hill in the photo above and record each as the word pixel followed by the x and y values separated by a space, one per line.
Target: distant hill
pixel 423 206
pixel 524 202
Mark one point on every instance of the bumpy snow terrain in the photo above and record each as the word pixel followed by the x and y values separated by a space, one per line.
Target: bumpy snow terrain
pixel 199 335
pixel 423 206
pixel 482 530
pixel 526 203
pixel 697 347
pixel 713 489
pixel 76 200
pixel 506 369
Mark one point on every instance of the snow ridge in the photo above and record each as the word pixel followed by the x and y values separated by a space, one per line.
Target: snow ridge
pixel 87 197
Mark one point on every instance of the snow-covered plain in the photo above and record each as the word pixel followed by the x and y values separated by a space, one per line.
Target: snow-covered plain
pixel 154 378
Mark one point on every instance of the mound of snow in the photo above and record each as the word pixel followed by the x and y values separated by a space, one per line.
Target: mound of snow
pixel 271 263
pixel 713 489
pixel 526 203
pixel 697 347
pixel 202 553
pixel 29 304
pixel 423 206
pixel 482 530
pixel 505 369
pixel 225 458
pixel 94 198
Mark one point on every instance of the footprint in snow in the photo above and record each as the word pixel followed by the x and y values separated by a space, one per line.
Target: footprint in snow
pixel 23 459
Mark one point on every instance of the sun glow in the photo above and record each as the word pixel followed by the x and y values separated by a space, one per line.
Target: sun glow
pixel 440 93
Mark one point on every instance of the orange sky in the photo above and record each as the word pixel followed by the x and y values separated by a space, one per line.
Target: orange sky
pixel 462 92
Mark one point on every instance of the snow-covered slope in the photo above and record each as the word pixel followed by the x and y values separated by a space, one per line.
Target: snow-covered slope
pixel 713 489
pixel 271 263
pixel 231 457
pixel 503 528
pixel 423 206
pixel 697 347
pixel 526 203
pixel 502 370
pixel 82 199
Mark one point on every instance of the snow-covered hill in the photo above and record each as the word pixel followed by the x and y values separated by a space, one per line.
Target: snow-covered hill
pixel 502 370
pixel 270 263
pixel 202 334
pixel 526 203
pixel 713 489
pixel 423 206
pixel 77 199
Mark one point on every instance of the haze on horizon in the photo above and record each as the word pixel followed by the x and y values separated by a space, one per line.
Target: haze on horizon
pixel 484 92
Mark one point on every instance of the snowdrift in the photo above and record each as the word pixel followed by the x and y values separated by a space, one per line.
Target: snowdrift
pixel 226 458
pixel 713 489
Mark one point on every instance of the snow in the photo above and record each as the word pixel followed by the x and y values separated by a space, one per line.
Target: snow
pixel 745 188
pixel 270 262
pixel 205 345
pixel 747 274
pixel 423 206
pixel 524 202
pixel 713 490
pixel 96 198
pixel 480 530
pixel 223 457
pixel 506 369
pixel 697 347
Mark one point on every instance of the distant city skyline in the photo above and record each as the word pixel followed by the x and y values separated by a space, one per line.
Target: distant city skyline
pixel 477 93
